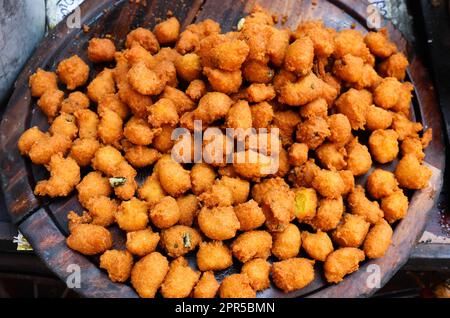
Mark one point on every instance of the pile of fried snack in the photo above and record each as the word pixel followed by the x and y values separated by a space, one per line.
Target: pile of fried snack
pixel 320 87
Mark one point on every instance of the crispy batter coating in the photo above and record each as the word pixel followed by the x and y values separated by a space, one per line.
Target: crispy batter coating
pixel 351 41
pixel 64 176
pixel 349 181
pixel 174 179
pixel 110 127
pixel 73 72
pixel 148 274
pixel 351 231
pixel 74 102
pixel 258 271
pixel 132 215
pixel 196 89
pixel 360 205
pixel 257 72
pixel 313 132
pixel 354 104
pixel 151 190
pixel 298 154
pixel 207 286
pixel 378 118
pixel 414 146
pixel 322 38
pixel 141 156
pixel 102 210
pixel 394 66
pixel 340 129
pixel 252 244
pixel 239 116
pixel 286 244
pixel 50 103
pixel 219 223
pixel 42 81
pixel 180 280
pixel 87 122
pixel 189 67
pixel 411 174
pixel 203 177
pixel 359 160
pixel 165 213
pixel 404 127
pixel 89 239
pixel 29 138
pixel 142 242
pixel 114 103
pixel 342 262
pixel 293 274
pixel 332 156
pixel 188 206
pixel 101 86
pixel 395 206
pixel 278 205
pixel 286 122
pixel 262 115
pixel 378 240
pixel 167 31
pixel 329 213
pixel 236 286
pixel 304 175
pixel 382 183
pixel 299 56
pixel 384 145
pixel 144 80
pixel 316 108
pixel 317 245
pixel 250 215
pixel 101 50
pixel 64 124
pixel 305 90
pixel 139 132
pixel 118 264
pixel 144 38
pixel 91 186
pixel 179 240
pixel 213 256
pixel 329 184
pixel 163 112
pixel 137 102
pixel 379 44
pixel 230 55
pixel 226 82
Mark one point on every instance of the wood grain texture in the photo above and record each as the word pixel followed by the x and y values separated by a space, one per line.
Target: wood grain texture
pixel 117 18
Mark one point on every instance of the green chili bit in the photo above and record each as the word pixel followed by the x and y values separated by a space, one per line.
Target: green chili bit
pixel 117 182
pixel 300 204
pixel 187 240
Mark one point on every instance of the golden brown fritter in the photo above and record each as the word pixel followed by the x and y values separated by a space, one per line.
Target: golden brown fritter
pixel 64 176
pixel 342 262
pixel 293 274
pixel 360 205
pixel 179 240
pixel 258 271
pixel 142 242
pixel 317 245
pixel 180 279
pixel 89 239
pixel 378 240
pixel 213 256
pixel 411 174
pixel 148 274
pixel 118 264
pixel 236 286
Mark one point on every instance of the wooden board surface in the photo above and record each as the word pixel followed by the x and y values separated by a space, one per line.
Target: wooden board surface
pixel 43 220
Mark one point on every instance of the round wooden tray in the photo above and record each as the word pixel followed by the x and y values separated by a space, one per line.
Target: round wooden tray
pixel 43 220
